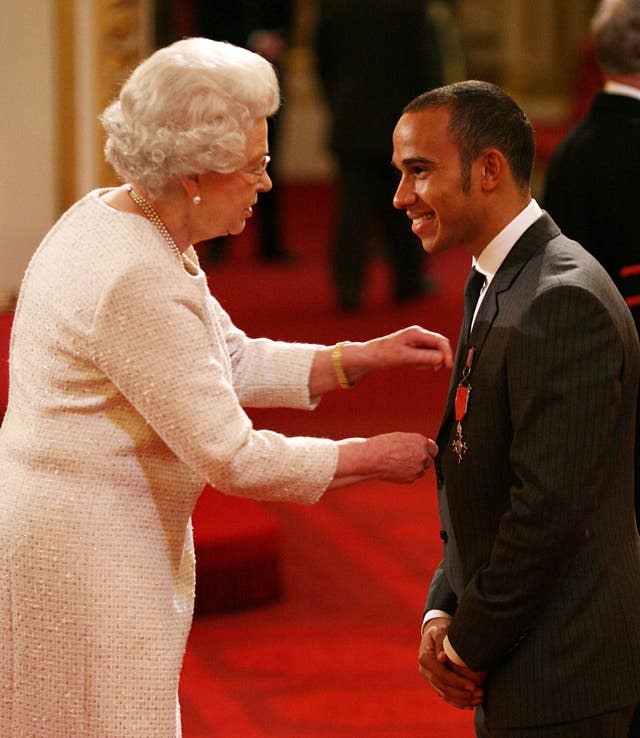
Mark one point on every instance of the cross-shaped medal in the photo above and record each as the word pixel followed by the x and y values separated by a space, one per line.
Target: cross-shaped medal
pixel 463 391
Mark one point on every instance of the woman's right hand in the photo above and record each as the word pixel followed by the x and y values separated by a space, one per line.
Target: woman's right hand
pixel 391 457
pixel 402 457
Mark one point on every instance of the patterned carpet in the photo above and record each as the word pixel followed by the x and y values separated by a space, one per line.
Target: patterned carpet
pixel 336 656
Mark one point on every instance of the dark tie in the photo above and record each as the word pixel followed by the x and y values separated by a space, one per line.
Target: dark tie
pixel 472 290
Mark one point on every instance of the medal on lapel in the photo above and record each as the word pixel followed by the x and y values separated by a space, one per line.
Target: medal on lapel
pixel 463 392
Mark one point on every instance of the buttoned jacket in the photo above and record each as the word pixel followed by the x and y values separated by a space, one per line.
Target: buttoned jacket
pixel 541 566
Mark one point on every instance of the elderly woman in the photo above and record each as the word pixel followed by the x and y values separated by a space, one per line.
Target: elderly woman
pixel 128 382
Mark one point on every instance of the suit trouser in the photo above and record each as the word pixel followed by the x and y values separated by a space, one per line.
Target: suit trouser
pixel 365 198
pixel 615 724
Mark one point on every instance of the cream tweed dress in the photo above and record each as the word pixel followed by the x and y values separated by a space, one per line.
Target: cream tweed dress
pixel 126 385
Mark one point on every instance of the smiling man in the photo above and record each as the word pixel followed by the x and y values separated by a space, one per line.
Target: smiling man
pixel 533 616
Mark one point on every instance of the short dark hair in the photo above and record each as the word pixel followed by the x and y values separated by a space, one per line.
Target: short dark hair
pixel 482 117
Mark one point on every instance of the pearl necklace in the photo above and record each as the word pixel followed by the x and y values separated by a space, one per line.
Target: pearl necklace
pixel 154 218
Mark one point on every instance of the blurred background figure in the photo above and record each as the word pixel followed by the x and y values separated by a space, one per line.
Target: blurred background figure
pixel 372 57
pixel 263 27
pixel 443 15
pixel 592 185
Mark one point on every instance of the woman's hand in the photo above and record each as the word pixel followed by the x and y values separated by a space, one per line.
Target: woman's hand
pixel 413 346
pixel 401 457
pixel 392 457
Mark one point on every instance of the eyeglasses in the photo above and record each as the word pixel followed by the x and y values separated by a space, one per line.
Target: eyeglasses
pixel 258 172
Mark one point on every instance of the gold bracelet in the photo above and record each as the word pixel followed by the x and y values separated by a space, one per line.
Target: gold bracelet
pixel 336 360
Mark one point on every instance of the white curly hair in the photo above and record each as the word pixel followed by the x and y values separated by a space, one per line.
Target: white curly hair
pixel 187 109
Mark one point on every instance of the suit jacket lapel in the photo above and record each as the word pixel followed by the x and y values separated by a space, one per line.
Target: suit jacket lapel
pixel 538 234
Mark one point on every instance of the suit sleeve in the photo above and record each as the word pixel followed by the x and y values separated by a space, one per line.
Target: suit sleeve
pixel 267 373
pixel 565 366
pixel 440 595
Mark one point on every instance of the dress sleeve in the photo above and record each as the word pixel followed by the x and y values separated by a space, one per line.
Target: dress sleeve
pixel 267 373
pixel 159 342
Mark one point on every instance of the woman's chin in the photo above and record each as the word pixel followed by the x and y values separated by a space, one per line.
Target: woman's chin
pixel 236 229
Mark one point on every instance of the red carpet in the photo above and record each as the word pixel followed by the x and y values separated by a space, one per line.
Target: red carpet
pixel 238 546
pixel 336 657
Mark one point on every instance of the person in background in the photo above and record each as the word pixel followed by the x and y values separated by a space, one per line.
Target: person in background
pixel 127 387
pixel 360 47
pixel 443 15
pixel 533 616
pixel 263 27
pixel 592 186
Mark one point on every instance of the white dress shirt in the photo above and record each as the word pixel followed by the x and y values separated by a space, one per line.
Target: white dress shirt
pixel 497 249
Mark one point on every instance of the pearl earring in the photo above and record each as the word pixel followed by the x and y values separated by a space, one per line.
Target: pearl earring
pixel 197 199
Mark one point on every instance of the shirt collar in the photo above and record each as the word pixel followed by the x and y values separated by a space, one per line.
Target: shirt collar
pixel 618 88
pixel 496 251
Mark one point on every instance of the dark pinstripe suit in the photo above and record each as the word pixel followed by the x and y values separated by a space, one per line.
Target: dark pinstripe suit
pixel 541 567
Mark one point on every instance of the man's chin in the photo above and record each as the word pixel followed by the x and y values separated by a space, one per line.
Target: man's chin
pixel 432 246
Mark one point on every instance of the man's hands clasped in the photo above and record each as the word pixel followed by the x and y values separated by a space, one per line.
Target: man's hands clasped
pixel 457 685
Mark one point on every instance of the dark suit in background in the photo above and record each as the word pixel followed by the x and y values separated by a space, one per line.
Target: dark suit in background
pixel 243 23
pixel 372 56
pixel 593 188
pixel 235 21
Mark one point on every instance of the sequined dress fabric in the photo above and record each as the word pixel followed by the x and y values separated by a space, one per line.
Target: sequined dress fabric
pixel 127 387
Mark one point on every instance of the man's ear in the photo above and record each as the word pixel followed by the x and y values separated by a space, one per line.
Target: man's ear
pixel 493 166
